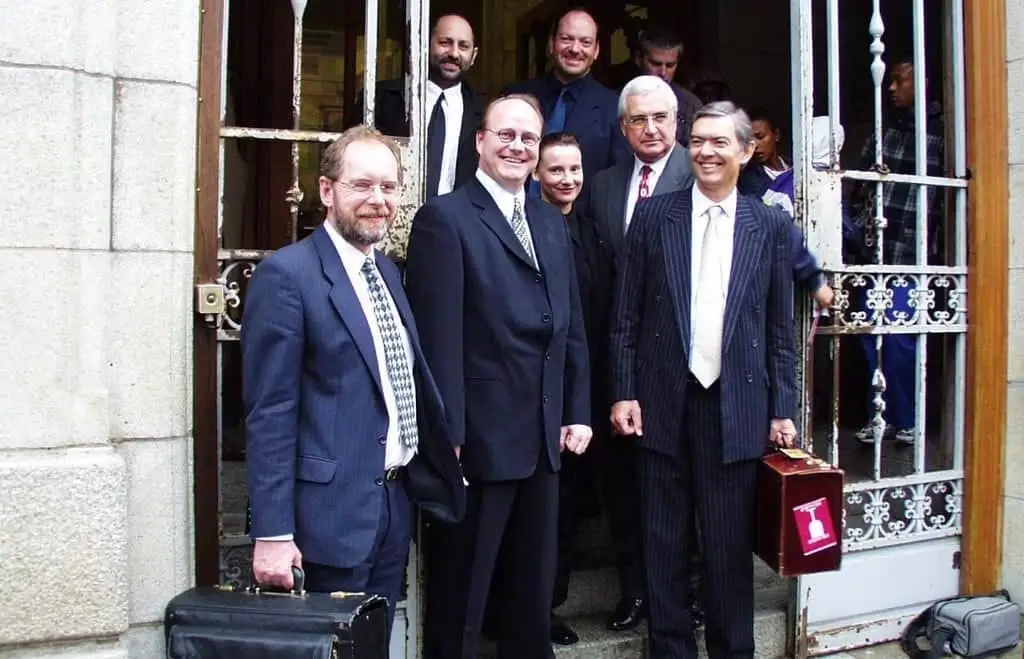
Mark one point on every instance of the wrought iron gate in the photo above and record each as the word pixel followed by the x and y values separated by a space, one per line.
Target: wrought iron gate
pixel 219 299
pixel 902 518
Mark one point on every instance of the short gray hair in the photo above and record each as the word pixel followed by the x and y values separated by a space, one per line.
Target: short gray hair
pixel 643 86
pixel 740 119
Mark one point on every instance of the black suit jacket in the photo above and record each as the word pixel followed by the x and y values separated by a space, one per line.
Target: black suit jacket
pixel 651 321
pixel 605 199
pixel 595 274
pixel 505 342
pixel 389 118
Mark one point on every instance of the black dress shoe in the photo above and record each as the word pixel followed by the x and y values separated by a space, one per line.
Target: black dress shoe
pixel 697 615
pixel 628 614
pixel 561 633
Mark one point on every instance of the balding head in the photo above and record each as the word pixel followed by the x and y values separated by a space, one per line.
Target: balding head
pixel 573 45
pixel 452 50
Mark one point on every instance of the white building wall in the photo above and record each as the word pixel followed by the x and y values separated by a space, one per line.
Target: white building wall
pixel 97 159
pixel 1013 518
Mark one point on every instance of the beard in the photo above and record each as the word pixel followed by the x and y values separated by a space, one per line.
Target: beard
pixel 358 232
pixel 437 73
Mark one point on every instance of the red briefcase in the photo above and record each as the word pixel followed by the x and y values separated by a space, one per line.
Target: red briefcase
pixel 800 513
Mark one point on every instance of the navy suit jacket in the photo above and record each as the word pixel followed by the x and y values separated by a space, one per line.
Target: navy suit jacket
pixel 505 341
pixel 316 420
pixel 592 116
pixel 651 320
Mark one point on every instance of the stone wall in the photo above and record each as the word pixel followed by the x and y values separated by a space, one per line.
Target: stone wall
pixel 97 136
pixel 1013 517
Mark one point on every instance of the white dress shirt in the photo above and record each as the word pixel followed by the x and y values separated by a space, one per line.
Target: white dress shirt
pixel 657 167
pixel 453 109
pixel 396 454
pixel 700 221
pixel 505 200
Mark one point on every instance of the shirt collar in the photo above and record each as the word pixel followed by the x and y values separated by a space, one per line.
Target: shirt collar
pixel 701 203
pixel 656 167
pixel 502 197
pixel 435 90
pixel 573 88
pixel 352 258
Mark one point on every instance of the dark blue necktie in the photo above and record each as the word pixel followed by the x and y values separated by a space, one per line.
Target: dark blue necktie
pixel 555 123
pixel 435 147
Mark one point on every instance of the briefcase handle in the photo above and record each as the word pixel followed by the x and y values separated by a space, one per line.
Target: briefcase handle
pixel 298 587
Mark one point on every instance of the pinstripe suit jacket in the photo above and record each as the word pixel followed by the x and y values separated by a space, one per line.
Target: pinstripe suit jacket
pixel 651 319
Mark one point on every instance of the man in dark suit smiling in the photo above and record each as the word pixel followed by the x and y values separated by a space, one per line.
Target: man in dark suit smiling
pixel 491 282
pixel 704 372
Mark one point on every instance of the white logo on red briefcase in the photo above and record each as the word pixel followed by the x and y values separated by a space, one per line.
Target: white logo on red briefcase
pixel 814 525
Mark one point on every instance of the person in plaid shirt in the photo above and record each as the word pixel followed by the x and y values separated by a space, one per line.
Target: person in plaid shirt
pixel 899 241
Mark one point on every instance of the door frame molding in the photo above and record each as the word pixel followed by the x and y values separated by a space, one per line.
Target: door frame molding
pixel 987 285
pixel 988 218
pixel 205 449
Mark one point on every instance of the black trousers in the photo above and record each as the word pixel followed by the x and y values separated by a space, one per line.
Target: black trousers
pixel 684 495
pixel 620 496
pixel 509 536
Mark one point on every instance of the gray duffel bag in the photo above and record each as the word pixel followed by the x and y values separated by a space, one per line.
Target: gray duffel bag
pixel 982 626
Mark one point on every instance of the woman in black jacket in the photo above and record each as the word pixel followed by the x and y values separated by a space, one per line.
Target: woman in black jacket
pixel 560 175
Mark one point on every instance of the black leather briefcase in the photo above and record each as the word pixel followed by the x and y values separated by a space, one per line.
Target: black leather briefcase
pixel 218 623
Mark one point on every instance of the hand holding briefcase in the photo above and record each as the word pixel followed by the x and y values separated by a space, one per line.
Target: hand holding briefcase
pixel 211 622
pixel 800 513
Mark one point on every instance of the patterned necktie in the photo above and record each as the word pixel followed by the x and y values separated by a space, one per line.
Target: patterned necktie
pixel 644 191
pixel 519 228
pixel 708 315
pixel 395 357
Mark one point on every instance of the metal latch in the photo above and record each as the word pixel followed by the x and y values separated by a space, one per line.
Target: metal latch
pixel 210 301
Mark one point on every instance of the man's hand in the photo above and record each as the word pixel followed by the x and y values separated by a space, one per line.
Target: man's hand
pixel 783 433
pixel 824 296
pixel 272 562
pixel 626 419
pixel 576 438
pixel 458 452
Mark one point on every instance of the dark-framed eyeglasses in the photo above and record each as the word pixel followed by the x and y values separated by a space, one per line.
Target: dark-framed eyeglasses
pixel 507 135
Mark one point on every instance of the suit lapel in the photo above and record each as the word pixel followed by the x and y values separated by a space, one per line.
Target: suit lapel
pixel 344 299
pixel 390 276
pixel 496 222
pixel 747 246
pixel 676 173
pixel 676 233
pixel 617 199
pixel 540 231
pixel 471 115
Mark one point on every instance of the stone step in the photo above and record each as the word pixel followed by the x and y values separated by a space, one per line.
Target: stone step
pixel 598 643
pixel 597 590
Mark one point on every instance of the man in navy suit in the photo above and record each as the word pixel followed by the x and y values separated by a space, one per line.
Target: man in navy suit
pixel 704 372
pixel 491 281
pixel 572 100
pixel 345 427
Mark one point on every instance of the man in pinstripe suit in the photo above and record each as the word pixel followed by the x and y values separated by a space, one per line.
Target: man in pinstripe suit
pixel 704 370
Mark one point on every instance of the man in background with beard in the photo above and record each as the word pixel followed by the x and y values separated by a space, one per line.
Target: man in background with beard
pixel 454 109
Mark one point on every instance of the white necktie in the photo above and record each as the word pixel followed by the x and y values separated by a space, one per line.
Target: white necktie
pixel 708 313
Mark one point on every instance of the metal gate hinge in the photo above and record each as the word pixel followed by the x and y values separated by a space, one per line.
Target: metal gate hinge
pixel 210 302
